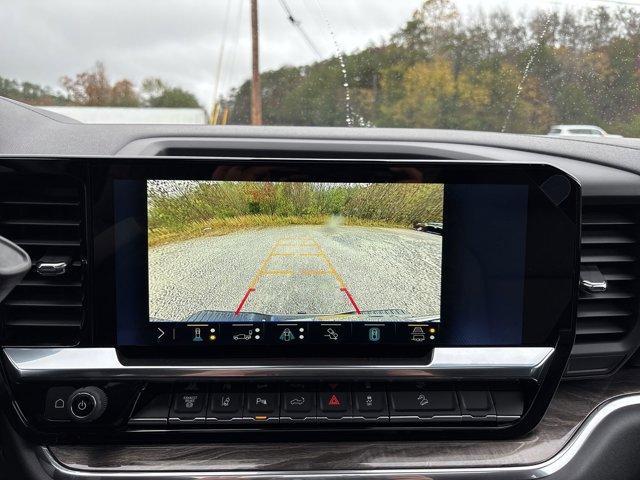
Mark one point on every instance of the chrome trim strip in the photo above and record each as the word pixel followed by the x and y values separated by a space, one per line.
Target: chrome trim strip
pixel 104 364
pixel 558 462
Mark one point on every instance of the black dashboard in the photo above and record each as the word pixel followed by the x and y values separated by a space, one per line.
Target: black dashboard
pixel 536 282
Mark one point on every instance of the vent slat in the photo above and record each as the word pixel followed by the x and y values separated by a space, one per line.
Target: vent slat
pixel 36 203
pixel 608 256
pixel 612 293
pixel 47 282
pixel 619 277
pixel 38 303
pixel 44 323
pixel 32 242
pixel 600 310
pixel 44 216
pixel 604 217
pixel 599 327
pixel 607 237
pixel 41 222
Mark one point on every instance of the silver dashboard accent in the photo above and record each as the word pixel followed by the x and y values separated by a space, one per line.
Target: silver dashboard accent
pixel 52 269
pixel 592 280
pixel 552 466
pixel 33 364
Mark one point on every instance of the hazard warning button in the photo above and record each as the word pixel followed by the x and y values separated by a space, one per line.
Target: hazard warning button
pixel 334 400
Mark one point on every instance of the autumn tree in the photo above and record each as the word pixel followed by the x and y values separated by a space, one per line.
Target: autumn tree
pixel 90 88
pixel 93 88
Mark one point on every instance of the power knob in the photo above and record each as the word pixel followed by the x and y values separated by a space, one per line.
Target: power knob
pixel 87 404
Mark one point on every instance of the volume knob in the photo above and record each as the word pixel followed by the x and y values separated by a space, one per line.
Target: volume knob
pixel 87 404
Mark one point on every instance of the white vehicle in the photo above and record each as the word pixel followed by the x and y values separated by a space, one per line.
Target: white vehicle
pixel 579 130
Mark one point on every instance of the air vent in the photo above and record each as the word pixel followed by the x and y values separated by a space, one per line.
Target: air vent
pixel 44 215
pixel 607 326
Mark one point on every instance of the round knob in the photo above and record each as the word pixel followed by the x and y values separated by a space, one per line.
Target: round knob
pixel 87 404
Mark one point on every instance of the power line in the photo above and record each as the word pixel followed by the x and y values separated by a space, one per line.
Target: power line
pixel 223 41
pixel 232 56
pixel 298 25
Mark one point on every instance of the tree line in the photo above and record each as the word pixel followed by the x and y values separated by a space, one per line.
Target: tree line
pixel 189 209
pixel 94 88
pixel 494 71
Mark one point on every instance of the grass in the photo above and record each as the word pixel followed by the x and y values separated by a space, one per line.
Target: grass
pixel 223 226
pixel 182 210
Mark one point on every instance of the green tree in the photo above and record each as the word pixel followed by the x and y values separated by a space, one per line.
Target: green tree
pixel 160 95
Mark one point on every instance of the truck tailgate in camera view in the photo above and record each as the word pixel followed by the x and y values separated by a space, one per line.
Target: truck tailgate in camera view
pixel 318 249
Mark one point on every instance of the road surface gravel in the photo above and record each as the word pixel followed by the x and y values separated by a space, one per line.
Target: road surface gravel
pixel 382 268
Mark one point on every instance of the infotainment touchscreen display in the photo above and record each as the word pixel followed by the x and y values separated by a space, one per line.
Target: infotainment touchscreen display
pixel 288 254
pixel 258 258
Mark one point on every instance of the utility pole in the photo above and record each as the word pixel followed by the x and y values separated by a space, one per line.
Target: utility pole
pixel 256 92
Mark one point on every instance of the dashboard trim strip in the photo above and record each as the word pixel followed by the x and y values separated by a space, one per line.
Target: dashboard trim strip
pixel 541 470
pixel 33 364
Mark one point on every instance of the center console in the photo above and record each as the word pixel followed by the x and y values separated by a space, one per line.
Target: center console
pixel 304 295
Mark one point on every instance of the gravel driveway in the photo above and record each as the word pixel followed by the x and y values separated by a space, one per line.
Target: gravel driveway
pixel 298 269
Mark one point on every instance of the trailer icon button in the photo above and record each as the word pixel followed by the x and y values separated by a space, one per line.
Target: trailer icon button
pixel 417 334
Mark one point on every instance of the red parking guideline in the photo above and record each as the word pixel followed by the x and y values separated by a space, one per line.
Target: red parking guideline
pixel 244 299
pixel 353 302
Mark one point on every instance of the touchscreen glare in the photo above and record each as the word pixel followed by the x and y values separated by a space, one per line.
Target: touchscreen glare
pixel 249 251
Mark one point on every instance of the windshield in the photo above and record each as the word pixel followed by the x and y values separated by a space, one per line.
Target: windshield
pixel 516 66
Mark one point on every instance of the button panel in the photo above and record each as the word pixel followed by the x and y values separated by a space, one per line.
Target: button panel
pixel 231 403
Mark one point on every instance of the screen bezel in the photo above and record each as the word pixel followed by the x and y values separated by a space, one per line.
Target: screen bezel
pixel 336 170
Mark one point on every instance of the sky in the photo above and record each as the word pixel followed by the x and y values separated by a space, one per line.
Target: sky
pixel 180 40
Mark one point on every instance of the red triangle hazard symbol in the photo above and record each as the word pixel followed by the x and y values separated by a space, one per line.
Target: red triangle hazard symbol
pixel 334 401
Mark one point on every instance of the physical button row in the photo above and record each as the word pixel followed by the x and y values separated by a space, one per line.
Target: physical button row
pixel 229 403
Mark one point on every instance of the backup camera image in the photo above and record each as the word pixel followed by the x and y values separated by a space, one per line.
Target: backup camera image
pixel 226 251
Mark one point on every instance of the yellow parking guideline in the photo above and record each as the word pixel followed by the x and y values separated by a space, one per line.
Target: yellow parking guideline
pixel 306 242
pixel 278 272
